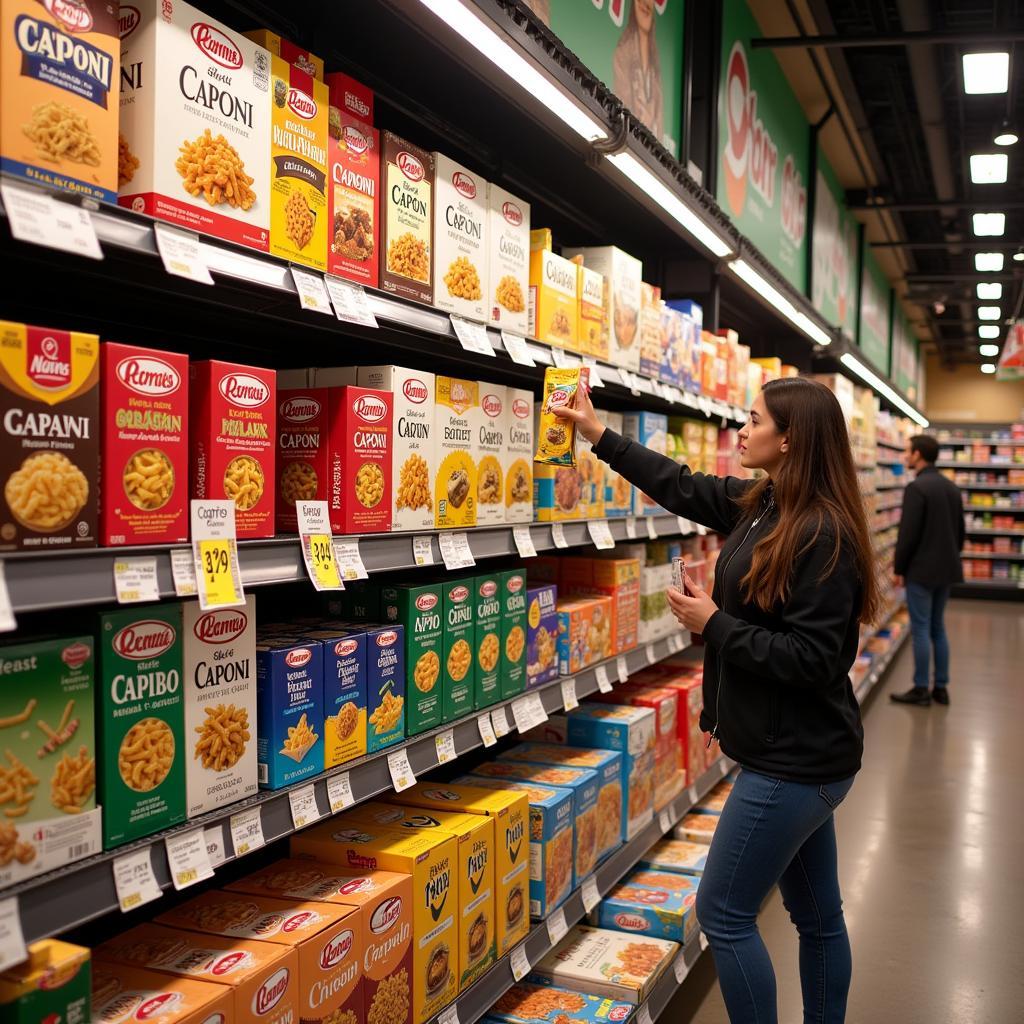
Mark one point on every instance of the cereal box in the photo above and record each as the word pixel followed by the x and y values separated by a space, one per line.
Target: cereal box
pixel 220 705
pixel 385 686
pixel 51 985
pixel 673 329
pixel 490 448
pixel 144 436
pixel 552 299
pixel 693 319
pixel 714 802
pixel 461 245
pixel 407 220
pixel 261 977
pixel 512 585
pixel 458 423
pixel 556 438
pixel 584 633
pixel 541 635
pixel 618 491
pixel 353 188
pixel 413 446
pixel 430 858
pixel 49 401
pixel 195 135
pixel 632 732
pixel 656 618
pixel 508 272
pixel 606 963
pixel 487 639
pixel 232 434
pixel 646 902
pixel 676 855
pixel 344 681
pixel 122 994
pixel 290 711
pixel 652 339
pixel 140 722
pixel 690 736
pixel 421 613
pixel 49 775
pixel 591 470
pixel 619 578
pixel 648 429
pixel 510 812
pixel 697 828
pixel 458 663
pixel 530 1003
pixel 551 839
pixel 288 51
pixel 590 311
pixel 558 493
pixel 518 456
pixel 58 119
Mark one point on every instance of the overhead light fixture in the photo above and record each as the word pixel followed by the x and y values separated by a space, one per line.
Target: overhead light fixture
pixel 988 262
pixel 988 367
pixel 986 72
pixel 487 41
pixel 989 223
pixel 990 290
pixel 1018 256
pixel 1005 135
pixel 654 187
pixel 989 312
pixel 882 387
pixel 746 273
pixel 988 331
pixel 989 350
pixel 988 168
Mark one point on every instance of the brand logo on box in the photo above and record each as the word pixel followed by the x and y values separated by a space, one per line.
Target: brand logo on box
pixel 128 21
pixel 220 626
pixel 386 915
pixel 370 409
pixel 218 46
pixel 512 214
pixel 464 185
pixel 158 1006
pixel 459 593
pixel 426 601
pixel 491 405
pixel 354 885
pixel 298 658
pixel 75 655
pixel 75 17
pixel 147 638
pixel 355 141
pixel 620 1012
pixel 387 638
pixel 243 389
pixel 270 993
pixel 489 589
pixel 334 952
pixel 415 390
pixel 223 965
pixel 515 584
pixel 631 922
pixel 346 647
pixel 410 166
pixel 147 375
pixel 356 104
pixel 296 922
pixel 299 410
pixel 302 104
pixel 520 408
pixel 49 360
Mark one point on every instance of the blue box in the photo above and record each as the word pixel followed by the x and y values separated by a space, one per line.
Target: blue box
pixel 541 635
pixel 693 323
pixel 385 685
pixel 344 673
pixel 674 353
pixel 676 855
pixel 649 429
pixel 656 903
pixel 561 1004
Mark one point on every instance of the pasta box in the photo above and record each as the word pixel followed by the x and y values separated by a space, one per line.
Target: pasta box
pixel 51 985
pixel 647 902
pixel 487 639
pixel 458 665
pixel 121 993
pixel 461 248
pixel 490 452
pixel 343 655
pixel 420 612
pixel 407 265
pixel 541 635
pixel 385 686
pixel 584 632
pixel 530 1003
pixel 508 271
pixel 512 584
pixel 457 412
pixel 518 456
pixel 676 855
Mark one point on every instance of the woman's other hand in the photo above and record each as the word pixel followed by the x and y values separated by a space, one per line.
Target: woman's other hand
pixel 693 610
pixel 583 416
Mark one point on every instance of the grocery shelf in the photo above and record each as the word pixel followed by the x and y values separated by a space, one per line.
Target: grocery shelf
pixel 1013 556
pixel 900 485
pixel 871 680
pixel 980 465
pixel 70 896
pixel 990 487
pixel 993 583
pixel 668 984
pixel 891 445
pixel 984 530
pixel 963 442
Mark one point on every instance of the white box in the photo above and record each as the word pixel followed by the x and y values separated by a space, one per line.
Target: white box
pixel 460 239
pixel 219 670
pixel 519 456
pixel 508 268
pixel 489 447
pixel 414 454
pixel 183 74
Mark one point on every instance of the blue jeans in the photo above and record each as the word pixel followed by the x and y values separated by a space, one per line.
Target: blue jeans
pixel 927 606
pixel 777 832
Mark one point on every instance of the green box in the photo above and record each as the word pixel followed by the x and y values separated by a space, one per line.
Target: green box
pixel 513 632
pixel 458 662
pixel 487 598
pixel 141 709
pixel 358 602
pixel 419 610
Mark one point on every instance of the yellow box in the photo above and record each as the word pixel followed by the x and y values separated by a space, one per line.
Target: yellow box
pixel 553 299
pixel 458 415
pixel 590 311
pixel 510 811
pixel 298 165
pixel 430 858
pixel 287 50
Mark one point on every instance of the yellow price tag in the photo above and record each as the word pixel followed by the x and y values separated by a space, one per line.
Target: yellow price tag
pixel 186 876
pixel 217 579
pixel 322 561
pixel 130 901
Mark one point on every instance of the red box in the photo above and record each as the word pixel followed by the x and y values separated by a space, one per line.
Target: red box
pixel 144 447
pixel 691 739
pixel 233 436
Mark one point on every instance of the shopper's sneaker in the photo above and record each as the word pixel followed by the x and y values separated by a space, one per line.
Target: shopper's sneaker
pixel 915 695
pixel 941 695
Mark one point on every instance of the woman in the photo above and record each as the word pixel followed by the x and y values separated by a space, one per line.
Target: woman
pixel 794 581
pixel 636 67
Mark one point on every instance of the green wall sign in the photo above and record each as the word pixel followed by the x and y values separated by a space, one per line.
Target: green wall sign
pixel 873 336
pixel 834 252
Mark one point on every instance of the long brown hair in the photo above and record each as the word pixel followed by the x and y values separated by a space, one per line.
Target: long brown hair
pixel 815 491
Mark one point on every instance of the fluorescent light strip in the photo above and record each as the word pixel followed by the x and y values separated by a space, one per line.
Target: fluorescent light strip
pixel 990 290
pixel 988 331
pixel 881 387
pixel 988 350
pixel 988 262
pixel 989 312
pixel 993 224
pixel 988 168
pixel 988 367
pixel 651 185
pixel 483 38
pixel 986 72
pixel 746 273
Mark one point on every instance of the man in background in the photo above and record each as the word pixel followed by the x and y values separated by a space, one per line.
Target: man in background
pixel 927 559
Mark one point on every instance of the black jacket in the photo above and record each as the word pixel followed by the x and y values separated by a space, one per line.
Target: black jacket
pixel 777 689
pixel 931 533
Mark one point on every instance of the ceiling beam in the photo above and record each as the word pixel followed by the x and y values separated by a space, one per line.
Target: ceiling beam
pixel 849 42
pixel 859 201
pixel 986 242
pixel 977 275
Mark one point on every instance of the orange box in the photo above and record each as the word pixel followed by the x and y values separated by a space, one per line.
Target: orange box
pixel 144 446
pixel 232 433
pixel 617 578
pixel 121 994
pixel 327 938
pixel 262 977
pixel 584 633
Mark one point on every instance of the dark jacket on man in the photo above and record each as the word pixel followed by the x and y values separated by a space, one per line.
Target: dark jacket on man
pixel 931 533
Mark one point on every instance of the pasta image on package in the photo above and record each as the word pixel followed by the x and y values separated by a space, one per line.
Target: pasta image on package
pixel 518 459
pixel 460 239
pixel 508 239
pixel 455 484
pixel 491 434
pixel 420 612
pixel 344 674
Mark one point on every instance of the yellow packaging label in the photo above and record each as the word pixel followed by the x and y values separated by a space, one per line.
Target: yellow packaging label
pixel 590 294
pixel 556 438
pixel 553 299
pixel 458 418
pixel 287 50
pixel 298 165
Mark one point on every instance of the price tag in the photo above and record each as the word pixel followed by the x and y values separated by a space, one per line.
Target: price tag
pixel 685 526
pixel 569 699
pixel 703 942
pixel 677 395
pixel 645 384
pixel 134 880
pixel 622 668
pixel 445 744
pixel 350 562
pixel 422 551
pixel 187 858
pixel 528 712
pixel 516 347
pixel 702 530
pixel 643 1014
pixel 704 404
pixel 402 775
pixel 675 643
pixel 520 962
pixel 135 580
pixel 312 291
pixel 565 360
pixel 38 218
pixel 690 401
pixel 500 722
pixel 524 542
pixel 317 548
pixel 215 554
pixel 180 253
pixel 449 1015
pixel 596 381
pixel 7 621
pixel 246 831
pixel 455 551
pixel 591 895
pixel 183 572
pixel 603 682
pixel 557 927
pixel 691 795
pixel 350 301
pixel 665 821
pixel 483 723
pixel 12 939
pixel 558 535
pixel 679 968
pixel 74 229
pixel 631 527
pixel 652 528
pixel 652 654
pixel 472 336
pixel 214 836
pixel 339 792
pixel 303 804
pixel 601 534
pixel 626 377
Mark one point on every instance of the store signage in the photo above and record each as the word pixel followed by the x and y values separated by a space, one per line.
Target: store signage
pixel 833 252
pixel 873 334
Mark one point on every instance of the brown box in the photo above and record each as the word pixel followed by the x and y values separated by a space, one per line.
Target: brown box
pixel 407 220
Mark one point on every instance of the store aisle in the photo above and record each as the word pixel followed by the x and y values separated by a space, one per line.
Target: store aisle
pixel 931 848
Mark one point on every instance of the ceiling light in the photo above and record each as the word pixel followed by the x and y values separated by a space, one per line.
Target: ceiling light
pixel 1005 135
pixel 988 367
pixel 882 387
pixel 988 331
pixel 746 273
pixel 988 262
pixel 1018 256
pixel 989 312
pixel 990 290
pixel 989 223
pixel 986 72
pixel 988 168
pixel 989 350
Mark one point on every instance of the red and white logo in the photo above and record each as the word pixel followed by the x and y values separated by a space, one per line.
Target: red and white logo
pixel 512 214
pixel 49 359
pixel 220 626
pixel 74 16
pixel 237 959
pixel 218 46
pixel 299 657
pixel 370 408
pixel 147 375
pixel 334 952
pixel 515 584
pixel 387 638
pixel 560 397
pixel 491 405
pixel 520 408
pixel 464 185
pixel 631 922
pixel 410 166
pixel 147 638
pixel 161 1004
pixel 243 389
pixel 459 593
pixel 270 993
pixel 386 915
pixel 128 19
pixel 426 601
pixel 354 885
pixel 489 589
pixel 301 104
pixel 296 922
pixel 355 141
pixel 620 1012
pixel 75 655
pixel 343 648
pixel 300 410
pixel 415 390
